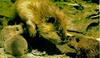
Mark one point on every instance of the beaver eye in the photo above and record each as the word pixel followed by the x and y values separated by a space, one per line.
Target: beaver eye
pixel 17 29
pixel 51 19
pixel 13 1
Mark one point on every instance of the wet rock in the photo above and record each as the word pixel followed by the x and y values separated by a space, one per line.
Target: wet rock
pixel 1 50
pixel 29 55
pixel 6 56
pixel 64 48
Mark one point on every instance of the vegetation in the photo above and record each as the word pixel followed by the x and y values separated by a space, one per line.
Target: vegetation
pixel 49 29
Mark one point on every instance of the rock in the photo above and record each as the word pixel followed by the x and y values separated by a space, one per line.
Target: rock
pixel 36 52
pixel 29 55
pixel 1 50
pixel 6 56
pixel 3 56
pixel 64 48
pixel 9 56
